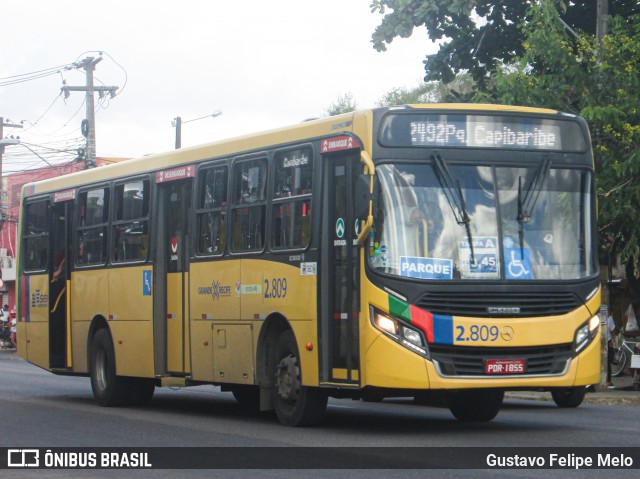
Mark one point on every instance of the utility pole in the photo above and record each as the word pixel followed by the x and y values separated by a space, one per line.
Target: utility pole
pixel 89 128
pixel 8 124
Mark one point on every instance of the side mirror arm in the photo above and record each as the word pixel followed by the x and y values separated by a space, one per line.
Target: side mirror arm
pixel 369 169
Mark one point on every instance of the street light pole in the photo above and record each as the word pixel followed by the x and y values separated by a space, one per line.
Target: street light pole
pixel 177 124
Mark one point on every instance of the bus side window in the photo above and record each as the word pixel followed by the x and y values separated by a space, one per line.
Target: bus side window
pixel 131 222
pixel 36 236
pixel 291 224
pixel 211 211
pixel 249 209
pixel 291 210
pixel 93 217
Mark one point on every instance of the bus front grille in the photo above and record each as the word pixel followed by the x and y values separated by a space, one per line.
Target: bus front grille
pixel 499 304
pixel 464 361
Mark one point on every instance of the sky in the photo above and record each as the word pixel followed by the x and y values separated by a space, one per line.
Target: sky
pixel 264 64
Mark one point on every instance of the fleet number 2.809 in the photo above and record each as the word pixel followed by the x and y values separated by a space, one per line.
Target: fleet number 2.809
pixel 275 288
pixel 477 333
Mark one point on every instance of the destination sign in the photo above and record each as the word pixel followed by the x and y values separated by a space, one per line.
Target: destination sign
pixel 482 131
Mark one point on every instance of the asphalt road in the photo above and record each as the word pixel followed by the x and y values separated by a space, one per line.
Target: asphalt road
pixel 38 409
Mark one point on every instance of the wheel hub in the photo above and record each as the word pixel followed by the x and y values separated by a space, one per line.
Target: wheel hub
pixel 287 383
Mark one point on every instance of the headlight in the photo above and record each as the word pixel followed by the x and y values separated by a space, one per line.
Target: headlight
pixel 400 332
pixel 586 333
pixel 385 324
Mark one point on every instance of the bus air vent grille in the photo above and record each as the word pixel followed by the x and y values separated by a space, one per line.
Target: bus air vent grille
pixel 499 304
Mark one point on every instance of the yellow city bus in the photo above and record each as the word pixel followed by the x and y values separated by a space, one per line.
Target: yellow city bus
pixel 445 250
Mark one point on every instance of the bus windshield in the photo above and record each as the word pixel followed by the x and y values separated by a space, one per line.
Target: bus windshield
pixel 443 221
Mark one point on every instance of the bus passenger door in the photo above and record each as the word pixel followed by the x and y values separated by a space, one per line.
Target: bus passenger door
pixel 59 285
pixel 175 197
pixel 339 270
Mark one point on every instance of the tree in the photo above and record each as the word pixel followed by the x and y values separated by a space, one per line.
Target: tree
pixel 344 104
pixel 476 35
pixel 430 92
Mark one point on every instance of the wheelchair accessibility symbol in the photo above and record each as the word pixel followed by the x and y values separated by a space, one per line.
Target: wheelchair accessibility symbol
pixel 518 263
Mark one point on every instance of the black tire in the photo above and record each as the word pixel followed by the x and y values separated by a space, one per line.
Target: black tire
pixel 294 404
pixel 569 397
pixel 618 369
pixel 248 396
pixel 636 380
pixel 108 389
pixel 142 390
pixel 475 405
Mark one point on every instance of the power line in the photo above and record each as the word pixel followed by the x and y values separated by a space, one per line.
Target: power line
pixel 57 150
pixel 55 167
pixel 62 150
pixel 52 153
pixel 48 108
pixel 37 72
pixel 26 77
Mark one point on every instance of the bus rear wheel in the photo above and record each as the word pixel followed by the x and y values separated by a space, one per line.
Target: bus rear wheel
pixel 109 389
pixel 569 397
pixel 475 405
pixel 294 404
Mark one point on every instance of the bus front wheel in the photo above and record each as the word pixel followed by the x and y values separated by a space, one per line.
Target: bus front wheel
pixel 569 397
pixel 108 388
pixel 475 405
pixel 294 404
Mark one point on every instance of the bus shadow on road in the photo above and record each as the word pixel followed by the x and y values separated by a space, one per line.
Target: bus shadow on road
pixel 391 416
pixel 402 416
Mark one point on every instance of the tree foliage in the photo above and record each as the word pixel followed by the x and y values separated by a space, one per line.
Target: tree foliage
pixel 599 82
pixel 476 35
pixel 345 103
pixel 431 92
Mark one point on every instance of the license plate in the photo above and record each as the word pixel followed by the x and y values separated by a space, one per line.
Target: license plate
pixel 504 366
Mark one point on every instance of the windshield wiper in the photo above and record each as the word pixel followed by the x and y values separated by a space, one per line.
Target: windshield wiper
pixel 527 204
pixel 455 198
